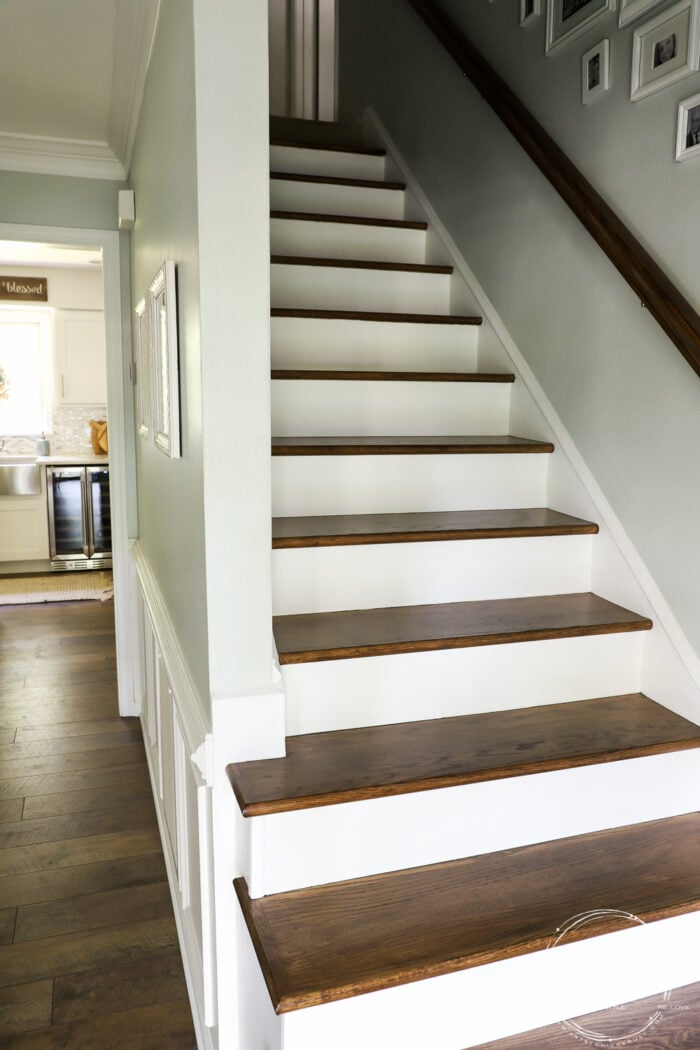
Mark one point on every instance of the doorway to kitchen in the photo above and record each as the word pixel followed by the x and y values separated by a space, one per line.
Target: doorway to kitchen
pixel 72 386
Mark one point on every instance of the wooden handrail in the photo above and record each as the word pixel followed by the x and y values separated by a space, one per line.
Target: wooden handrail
pixel 657 292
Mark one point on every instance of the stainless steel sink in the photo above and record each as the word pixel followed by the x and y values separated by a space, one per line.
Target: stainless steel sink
pixel 19 476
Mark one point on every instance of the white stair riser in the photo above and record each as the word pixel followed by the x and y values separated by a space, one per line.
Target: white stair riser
pixel 340 240
pixel 341 288
pixel 302 342
pixel 374 576
pixel 498 999
pixel 331 199
pixel 326 162
pixel 359 407
pixel 383 484
pixel 379 835
pixel 379 690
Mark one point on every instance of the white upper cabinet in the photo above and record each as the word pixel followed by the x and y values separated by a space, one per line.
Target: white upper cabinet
pixel 81 364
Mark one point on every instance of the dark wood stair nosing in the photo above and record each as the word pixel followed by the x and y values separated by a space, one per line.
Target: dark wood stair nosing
pixel 424 922
pixel 403 630
pixel 416 445
pixel 353 765
pixel 350 220
pixel 361 264
pixel 375 315
pixel 334 180
pixel 346 375
pixel 329 147
pixel 348 529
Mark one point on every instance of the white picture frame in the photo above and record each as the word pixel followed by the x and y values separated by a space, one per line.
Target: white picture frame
pixel 688 130
pixel 162 297
pixel 665 49
pixel 631 10
pixel 569 19
pixel 530 11
pixel 595 72
pixel 143 373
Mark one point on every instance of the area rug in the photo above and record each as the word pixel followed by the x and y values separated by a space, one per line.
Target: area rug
pixel 56 587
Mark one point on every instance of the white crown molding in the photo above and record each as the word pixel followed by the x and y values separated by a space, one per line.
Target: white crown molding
pixel 137 21
pixel 80 158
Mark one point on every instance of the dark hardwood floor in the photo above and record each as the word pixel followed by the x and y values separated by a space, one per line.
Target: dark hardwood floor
pixel 89 954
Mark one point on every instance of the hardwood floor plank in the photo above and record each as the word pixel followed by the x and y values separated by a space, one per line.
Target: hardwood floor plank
pixel 354 764
pixel 132 817
pixel 41 765
pixel 26 749
pixel 62 803
pixel 11 810
pixel 7 736
pixel 93 911
pixel 154 979
pixel 72 730
pixel 76 952
pixel 25 1006
pixel 49 884
pixel 67 711
pixel 7 924
pixel 82 778
pixel 68 853
pixel 165 1025
pixel 311 637
pixel 339 940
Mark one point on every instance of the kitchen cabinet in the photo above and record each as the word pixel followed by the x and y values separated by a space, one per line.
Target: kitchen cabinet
pixel 81 360
pixel 24 533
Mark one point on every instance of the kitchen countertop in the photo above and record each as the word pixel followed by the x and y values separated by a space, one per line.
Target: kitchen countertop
pixel 83 458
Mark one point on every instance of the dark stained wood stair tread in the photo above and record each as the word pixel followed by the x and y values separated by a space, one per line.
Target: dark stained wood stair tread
pixel 398 377
pixel 407 446
pixel 374 315
pixel 334 180
pixel 345 529
pixel 359 264
pixel 312 637
pixel 352 220
pixel 350 765
pixel 328 147
pixel 344 939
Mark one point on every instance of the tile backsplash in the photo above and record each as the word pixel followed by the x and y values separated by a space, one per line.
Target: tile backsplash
pixel 70 433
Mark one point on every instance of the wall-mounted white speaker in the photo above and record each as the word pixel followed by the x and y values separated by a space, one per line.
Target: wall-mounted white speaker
pixel 126 210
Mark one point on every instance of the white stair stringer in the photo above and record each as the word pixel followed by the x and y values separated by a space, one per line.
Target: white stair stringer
pixel 379 835
pixel 372 576
pixel 406 687
pixel 321 406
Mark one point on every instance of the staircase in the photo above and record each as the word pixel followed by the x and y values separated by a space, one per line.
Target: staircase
pixel 470 761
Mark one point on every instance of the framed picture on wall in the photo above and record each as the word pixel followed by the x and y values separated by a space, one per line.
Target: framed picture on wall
pixel 665 49
pixel 595 72
pixel 162 325
pixel 688 133
pixel 530 11
pixel 568 19
pixel 633 9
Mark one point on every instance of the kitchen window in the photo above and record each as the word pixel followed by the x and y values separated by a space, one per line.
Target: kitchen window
pixel 26 371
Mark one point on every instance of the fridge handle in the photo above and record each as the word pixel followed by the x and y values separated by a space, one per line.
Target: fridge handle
pixel 88 533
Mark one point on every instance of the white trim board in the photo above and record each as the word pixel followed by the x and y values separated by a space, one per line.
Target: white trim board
pixel 108 242
pixel 43 155
pixel 661 611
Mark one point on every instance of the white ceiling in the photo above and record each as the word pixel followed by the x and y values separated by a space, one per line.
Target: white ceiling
pixel 71 82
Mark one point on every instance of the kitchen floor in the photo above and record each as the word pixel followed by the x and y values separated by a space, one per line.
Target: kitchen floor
pixel 88 947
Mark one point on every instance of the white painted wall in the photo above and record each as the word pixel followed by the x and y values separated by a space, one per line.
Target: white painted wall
pixel 624 393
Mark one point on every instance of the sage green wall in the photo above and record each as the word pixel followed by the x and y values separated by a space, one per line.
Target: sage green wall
pixel 627 397
pixel 58 200
pixel 163 175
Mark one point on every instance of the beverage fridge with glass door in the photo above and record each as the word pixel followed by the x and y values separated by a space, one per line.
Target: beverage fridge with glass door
pixel 80 535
